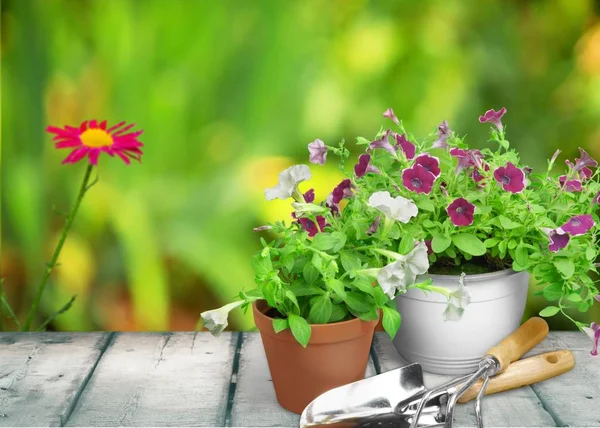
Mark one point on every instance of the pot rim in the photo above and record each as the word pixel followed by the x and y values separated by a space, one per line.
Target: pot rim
pixel 477 276
pixel 320 333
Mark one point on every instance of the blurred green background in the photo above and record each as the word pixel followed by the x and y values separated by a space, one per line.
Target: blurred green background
pixel 228 94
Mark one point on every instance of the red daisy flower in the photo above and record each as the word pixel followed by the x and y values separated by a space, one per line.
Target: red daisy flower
pixel 93 138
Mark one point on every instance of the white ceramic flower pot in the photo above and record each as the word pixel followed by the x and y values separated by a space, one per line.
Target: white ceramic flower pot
pixel 449 347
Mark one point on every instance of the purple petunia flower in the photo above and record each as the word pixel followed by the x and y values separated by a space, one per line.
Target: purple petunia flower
pixel 317 152
pixel 596 200
pixel 342 190
pixel 418 179
pixel 335 209
pixel 510 177
pixel 389 113
pixel 430 163
pixel 476 174
pixel 311 227
pixel 597 297
pixel 383 143
pixel 461 212
pixel 309 196
pixel 557 241
pixel 467 158
pixel 407 147
pixel 494 117
pixel 429 248
pixel 444 132
pixel 374 226
pixel 585 161
pixel 593 332
pixel 364 166
pixel 569 185
pixel 577 225
pixel 584 173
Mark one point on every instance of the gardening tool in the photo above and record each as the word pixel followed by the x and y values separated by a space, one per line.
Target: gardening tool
pixel 398 397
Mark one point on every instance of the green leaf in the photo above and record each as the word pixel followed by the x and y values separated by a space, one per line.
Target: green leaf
pixel 553 292
pixel 288 262
pixel 338 313
pixel 361 141
pixel 590 254
pixel 522 255
pixel 358 301
pixel 406 245
pixel 370 315
pixel 320 312
pixel 329 241
pixel 508 223
pixel 549 311
pixel 262 265
pixel 290 295
pixel 391 321
pixel 301 289
pixel 338 287
pixel 439 243
pixel 317 262
pixel 300 329
pixel 424 204
pixel 469 244
pixel 280 324
pixel 349 261
pixel 380 297
pixel 310 273
pixel 574 297
pixel 492 242
pixel 364 284
pixel 566 267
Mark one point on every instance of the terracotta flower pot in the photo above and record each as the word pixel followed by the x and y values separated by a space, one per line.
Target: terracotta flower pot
pixel 337 354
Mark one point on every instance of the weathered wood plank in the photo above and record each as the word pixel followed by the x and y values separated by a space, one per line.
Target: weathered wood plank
pixel 520 407
pixel 254 402
pixel 573 398
pixel 159 379
pixel 42 374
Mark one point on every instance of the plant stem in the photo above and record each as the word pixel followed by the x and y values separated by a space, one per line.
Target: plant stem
pixel 63 237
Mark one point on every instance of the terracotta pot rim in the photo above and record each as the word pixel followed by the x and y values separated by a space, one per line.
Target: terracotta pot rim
pixel 320 333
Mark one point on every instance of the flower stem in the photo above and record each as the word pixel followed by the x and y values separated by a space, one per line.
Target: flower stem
pixel 50 266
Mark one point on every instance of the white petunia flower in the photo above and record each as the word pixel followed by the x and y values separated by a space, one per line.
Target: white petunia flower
pixel 398 208
pixel 288 182
pixel 403 272
pixel 458 301
pixel 216 320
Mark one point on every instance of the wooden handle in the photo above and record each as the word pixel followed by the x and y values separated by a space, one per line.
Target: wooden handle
pixel 520 341
pixel 525 372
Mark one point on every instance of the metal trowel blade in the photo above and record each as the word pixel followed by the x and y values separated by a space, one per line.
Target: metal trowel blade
pixel 372 402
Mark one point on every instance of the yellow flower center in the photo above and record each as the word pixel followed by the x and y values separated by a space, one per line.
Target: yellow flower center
pixel 96 137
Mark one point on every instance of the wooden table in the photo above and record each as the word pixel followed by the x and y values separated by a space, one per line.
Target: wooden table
pixel 194 379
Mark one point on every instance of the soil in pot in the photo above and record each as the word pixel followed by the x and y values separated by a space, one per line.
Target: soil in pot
pixel 337 354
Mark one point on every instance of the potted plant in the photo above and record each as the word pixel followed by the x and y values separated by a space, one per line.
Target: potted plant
pixel 326 278
pixel 489 222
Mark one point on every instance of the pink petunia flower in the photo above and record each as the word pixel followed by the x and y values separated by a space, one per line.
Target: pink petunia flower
pixel 317 152
pixel 467 159
pixel 577 225
pixel 584 161
pixel 494 117
pixel 461 212
pixel 569 185
pixel 311 227
pixel 510 177
pixel 364 166
pixel 342 190
pixel 444 133
pixel 92 138
pixel 476 174
pixel 429 247
pixel 389 113
pixel 596 199
pixel 593 332
pixel 418 179
pixel 407 147
pixel 383 143
pixel 430 163
pixel 557 241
